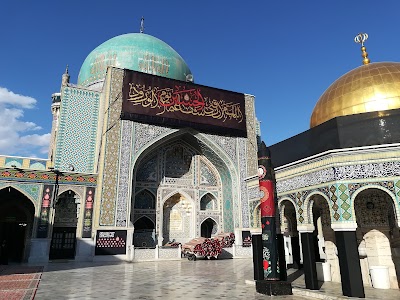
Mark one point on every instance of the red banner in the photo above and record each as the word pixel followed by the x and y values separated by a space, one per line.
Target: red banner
pixel 267 205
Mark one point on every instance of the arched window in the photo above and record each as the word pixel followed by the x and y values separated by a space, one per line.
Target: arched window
pixel 208 202
pixel 144 200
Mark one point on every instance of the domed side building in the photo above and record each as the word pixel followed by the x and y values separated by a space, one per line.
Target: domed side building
pixel 338 183
pixel 140 158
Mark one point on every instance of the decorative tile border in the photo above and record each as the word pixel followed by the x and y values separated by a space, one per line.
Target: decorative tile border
pixel 47 177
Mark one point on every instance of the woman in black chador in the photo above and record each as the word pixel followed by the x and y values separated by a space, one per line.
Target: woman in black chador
pixel 3 253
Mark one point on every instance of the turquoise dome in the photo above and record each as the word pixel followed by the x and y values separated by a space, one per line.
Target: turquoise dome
pixel 133 51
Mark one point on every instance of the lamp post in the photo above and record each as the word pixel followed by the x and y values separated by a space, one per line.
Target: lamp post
pixel 56 186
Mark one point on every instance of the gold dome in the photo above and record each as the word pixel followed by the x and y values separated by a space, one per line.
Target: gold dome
pixel 372 87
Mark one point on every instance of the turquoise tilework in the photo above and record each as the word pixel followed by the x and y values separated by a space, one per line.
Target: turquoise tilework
pixel 227 192
pixel 37 164
pixel 30 190
pixel 13 161
pixel 76 140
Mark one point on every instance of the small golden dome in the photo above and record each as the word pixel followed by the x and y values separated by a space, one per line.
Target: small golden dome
pixel 372 87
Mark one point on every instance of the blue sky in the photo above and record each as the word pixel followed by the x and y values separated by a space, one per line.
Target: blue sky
pixel 286 53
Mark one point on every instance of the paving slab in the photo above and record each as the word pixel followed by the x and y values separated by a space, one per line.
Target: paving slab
pixel 179 279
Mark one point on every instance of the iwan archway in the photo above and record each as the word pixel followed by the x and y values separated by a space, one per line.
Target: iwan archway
pixel 181 170
pixel 16 221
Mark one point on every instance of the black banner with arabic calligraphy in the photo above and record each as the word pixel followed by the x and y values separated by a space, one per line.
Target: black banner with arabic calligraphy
pixel 158 100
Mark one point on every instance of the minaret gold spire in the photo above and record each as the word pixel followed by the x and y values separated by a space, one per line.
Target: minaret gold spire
pixel 142 25
pixel 360 39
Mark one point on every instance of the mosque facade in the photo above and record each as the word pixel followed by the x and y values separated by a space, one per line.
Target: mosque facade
pixel 140 156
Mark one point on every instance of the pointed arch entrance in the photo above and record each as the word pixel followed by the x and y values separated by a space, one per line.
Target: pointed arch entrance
pixel 377 233
pixel 208 228
pixel 191 181
pixel 63 242
pixel 144 234
pixel 290 234
pixel 16 222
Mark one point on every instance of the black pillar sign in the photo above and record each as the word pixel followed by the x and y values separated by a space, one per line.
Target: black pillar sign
pixel 246 238
pixel 110 242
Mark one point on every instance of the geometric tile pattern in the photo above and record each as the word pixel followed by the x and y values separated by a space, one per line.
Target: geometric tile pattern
pixel 345 202
pixel 124 174
pixel 333 193
pixel 32 191
pixel 110 163
pixel 244 211
pixel 77 131
pixel 48 177
pixel 340 173
pixel 372 206
pixel 251 144
pixel 227 182
pixel 353 187
pixel 300 210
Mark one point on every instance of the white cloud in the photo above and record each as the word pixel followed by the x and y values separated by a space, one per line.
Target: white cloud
pixel 8 97
pixel 14 131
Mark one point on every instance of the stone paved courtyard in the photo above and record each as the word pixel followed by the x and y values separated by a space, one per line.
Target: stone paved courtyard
pixel 183 279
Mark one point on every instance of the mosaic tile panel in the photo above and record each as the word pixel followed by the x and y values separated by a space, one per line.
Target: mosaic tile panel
pixel 207 176
pixel 77 131
pixel 149 133
pixel 371 170
pixel 124 182
pixel 13 161
pixel 300 210
pixel 228 144
pixel 229 196
pixel 251 142
pixel 386 184
pixel 144 200
pixel 37 164
pixel 243 187
pixel 146 134
pixel 372 207
pixel 252 208
pixel 344 202
pixel 208 202
pixel 111 155
pixel 32 191
pixel 214 193
pixel 254 193
pixel 358 171
pixel 310 179
pixel 334 197
pixel 147 170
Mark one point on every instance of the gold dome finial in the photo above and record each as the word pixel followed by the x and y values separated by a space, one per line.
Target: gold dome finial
pixel 360 39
